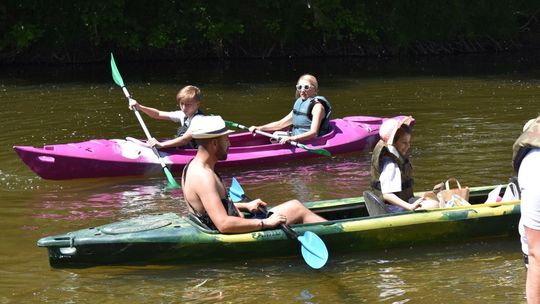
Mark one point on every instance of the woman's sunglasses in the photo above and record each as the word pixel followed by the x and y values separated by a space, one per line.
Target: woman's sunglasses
pixel 304 87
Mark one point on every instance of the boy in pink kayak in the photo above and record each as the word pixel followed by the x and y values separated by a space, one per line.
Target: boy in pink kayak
pixel 189 100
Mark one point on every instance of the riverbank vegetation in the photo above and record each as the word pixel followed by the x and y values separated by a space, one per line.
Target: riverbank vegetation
pixel 76 31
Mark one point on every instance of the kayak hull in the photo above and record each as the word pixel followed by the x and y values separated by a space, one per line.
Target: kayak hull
pixel 170 239
pixel 117 157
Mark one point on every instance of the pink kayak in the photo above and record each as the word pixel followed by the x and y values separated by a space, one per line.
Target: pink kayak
pixel 118 157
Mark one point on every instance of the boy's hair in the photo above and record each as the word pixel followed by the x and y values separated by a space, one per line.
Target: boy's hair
pixel 189 92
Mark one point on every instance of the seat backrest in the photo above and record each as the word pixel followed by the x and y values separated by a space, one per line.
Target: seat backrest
pixel 374 204
pixel 197 221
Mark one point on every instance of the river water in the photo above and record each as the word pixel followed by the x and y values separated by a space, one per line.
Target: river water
pixel 468 112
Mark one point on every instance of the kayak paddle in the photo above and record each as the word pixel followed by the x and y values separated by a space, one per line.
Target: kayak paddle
pixel 292 142
pixel 313 248
pixel 118 80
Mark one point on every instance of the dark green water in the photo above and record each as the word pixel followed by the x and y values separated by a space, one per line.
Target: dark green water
pixel 468 112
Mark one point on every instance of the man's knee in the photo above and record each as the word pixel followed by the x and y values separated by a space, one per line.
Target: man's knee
pixel 296 202
pixel 294 206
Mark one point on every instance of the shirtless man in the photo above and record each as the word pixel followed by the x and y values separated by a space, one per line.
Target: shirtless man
pixel 207 197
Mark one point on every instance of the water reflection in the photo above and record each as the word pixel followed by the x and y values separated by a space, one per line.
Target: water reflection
pixel 112 202
pixel 315 179
pixel 390 284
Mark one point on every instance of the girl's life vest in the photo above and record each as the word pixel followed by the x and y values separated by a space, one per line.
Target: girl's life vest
pixel 380 152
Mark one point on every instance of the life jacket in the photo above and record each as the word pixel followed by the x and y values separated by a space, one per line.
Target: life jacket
pixel 529 139
pixel 182 129
pixel 379 153
pixel 301 119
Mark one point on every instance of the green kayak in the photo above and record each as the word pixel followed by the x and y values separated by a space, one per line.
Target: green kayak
pixel 169 238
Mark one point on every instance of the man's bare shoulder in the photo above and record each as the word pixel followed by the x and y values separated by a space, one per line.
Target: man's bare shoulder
pixel 198 174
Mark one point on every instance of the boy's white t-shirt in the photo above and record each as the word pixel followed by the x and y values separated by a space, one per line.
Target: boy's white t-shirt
pixel 179 116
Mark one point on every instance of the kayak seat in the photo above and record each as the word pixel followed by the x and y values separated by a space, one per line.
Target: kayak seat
pixel 514 179
pixel 374 204
pixel 198 222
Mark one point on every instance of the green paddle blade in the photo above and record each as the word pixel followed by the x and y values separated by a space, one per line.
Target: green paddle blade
pixel 172 182
pixel 115 73
pixel 318 151
pixel 231 124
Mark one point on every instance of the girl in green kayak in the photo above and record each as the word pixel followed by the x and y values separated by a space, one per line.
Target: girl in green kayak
pixel 391 170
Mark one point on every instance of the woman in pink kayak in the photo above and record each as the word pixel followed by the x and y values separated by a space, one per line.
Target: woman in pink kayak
pixel 309 118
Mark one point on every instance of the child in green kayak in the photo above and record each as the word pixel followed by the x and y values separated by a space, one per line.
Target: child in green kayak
pixel 207 198
pixel 309 118
pixel 391 170
pixel 189 100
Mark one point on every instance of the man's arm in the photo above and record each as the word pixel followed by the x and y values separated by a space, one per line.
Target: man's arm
pixel 208 192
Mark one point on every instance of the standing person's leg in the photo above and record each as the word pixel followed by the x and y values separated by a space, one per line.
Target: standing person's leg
pixel 530 219
pixel 533 272
pixel 297 213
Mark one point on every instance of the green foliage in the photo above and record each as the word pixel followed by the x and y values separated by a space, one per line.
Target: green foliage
pixel 78 30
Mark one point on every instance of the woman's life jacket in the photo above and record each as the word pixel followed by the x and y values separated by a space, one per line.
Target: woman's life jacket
pixel 301 119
